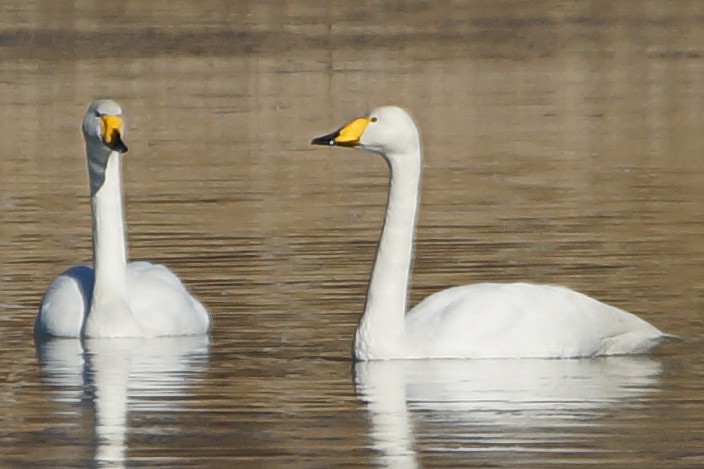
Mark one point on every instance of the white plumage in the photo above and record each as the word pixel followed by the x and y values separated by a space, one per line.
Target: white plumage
pixel 486 320
pixel 115 298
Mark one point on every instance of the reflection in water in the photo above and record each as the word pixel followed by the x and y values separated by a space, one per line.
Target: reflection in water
pixel 116 374
pixel 563 144
pixel 514 401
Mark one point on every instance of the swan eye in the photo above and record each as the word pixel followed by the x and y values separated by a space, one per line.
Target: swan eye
pixel 373 119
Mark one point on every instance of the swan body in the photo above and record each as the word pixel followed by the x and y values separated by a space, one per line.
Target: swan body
pixel 486 320
pixel 115 298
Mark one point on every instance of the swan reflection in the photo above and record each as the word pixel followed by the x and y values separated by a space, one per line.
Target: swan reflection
pixel 472 404
pixel 117 375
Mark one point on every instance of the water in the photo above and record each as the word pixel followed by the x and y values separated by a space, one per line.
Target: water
pixel 562 145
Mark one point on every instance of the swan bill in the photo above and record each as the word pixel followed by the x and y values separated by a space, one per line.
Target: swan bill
pixel 347 136
pixel 112 137
pixel 328 139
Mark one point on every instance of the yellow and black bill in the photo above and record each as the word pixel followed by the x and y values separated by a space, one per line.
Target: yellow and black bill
pixel 346 136
pixel 112 133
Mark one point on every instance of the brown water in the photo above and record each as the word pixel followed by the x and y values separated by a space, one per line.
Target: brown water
pixel 562 145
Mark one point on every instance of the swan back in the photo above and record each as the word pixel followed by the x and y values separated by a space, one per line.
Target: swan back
pixel 65 304
pixel 519 320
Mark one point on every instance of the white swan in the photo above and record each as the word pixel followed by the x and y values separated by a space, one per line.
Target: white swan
pixel 115 298
pixel 486 320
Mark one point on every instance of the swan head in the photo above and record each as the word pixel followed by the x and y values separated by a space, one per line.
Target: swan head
pixel 103 127
pixel 388 130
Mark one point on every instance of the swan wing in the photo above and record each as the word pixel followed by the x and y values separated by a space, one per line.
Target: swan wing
pixel 519 320
pixel 161 303
pixel 65 304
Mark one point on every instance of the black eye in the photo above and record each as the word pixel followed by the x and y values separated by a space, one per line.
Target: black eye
pixel 373 119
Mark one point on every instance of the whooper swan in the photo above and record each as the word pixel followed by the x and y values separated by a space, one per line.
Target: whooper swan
pixel 115 298
pixel 486 320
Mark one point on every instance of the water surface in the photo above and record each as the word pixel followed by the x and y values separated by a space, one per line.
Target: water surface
pixel 562 145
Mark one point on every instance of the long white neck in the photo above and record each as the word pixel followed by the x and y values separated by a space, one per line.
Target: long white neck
pixel 109 247
pixel 381 331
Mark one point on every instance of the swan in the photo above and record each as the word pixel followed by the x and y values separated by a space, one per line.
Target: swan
pixel 485 320
pixel 115 298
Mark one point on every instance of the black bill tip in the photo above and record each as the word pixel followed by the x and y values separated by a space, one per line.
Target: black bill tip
pixel 116 143
pixel 328 139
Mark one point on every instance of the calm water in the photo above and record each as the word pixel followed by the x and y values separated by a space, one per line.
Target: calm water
pixel 563 144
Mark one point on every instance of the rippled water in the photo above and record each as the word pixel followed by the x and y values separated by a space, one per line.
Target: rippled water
pixel 562 145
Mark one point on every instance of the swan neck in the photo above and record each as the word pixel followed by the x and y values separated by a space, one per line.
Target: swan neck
pixel 381 330
pixel 109 246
